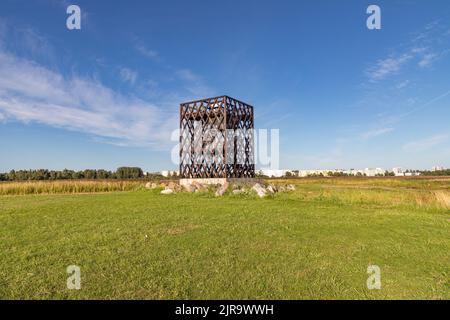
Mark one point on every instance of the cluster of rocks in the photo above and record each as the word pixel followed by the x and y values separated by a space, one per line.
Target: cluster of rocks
pixel 260 189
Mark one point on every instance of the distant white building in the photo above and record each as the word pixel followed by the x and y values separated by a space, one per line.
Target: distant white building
pixel 437 168
pixel 325 173
pixel 368 172
pixel 307 173
pixel 398 172
pixel 354 172
pixel 273 173
pixel 372 172
pixel 170 173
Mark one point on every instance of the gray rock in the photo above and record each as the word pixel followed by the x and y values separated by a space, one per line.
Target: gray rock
pixel 198 186
pixel 259 189
pixel 151 185
pixel 167 191
pixel 174 186
pixel 290 187
pixel 189 188
pixel 238 191
pixel 222 189
pixel 272 189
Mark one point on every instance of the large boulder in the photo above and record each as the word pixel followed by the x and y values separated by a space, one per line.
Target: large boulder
pixel 174 186
pixel 199 187
pixel 222 189
pixel 189 188
pixel 151 185
pixel 259 189
pixel 271 188
pixel 171 184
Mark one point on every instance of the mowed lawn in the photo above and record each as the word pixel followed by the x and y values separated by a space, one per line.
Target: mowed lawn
pixel 312 243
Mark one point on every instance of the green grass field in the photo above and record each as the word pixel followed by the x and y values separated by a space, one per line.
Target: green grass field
pixel 312 243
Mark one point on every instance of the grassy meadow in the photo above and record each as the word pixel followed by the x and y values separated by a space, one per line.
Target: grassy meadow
pixel 312 243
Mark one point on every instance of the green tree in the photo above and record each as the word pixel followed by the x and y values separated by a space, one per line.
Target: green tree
pixel 129 173
pixel 90 174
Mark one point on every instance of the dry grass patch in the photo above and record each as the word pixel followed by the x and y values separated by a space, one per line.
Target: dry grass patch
pixel 66 186
pixel 443 198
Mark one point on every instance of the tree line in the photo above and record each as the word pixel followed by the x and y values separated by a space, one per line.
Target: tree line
pixel 88 174
pixel 445 172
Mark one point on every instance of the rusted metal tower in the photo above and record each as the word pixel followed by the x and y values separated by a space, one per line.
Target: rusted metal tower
pixel 216 139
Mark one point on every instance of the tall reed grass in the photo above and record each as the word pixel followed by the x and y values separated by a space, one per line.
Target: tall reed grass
pixel 383 193
pixel 67 186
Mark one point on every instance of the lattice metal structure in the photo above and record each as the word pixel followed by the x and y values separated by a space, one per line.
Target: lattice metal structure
pixel 216 139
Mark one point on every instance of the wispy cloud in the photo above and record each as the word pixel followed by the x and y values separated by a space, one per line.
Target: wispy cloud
pixel 388 66
pixel 144 50
pixel 392 65
pixel 128 75
pixel 32 42
pixel 189 80
pixel 424 49
pixel 425 144
pixel 412 101
pixel 375 133
pixel 36 91
pixel 403 84
pixel 30 92
pixel 428 59
pixel 194 83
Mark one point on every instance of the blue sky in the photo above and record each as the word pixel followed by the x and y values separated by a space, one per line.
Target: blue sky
pixel 108 95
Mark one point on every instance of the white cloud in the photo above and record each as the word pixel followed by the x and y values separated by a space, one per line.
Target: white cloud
pixel 425 48
pixel 35 42
pixel 393 65
pixel 403 84
pixel 411 101
pixel 30 92
pixel 191 82
pixel 425 144
pixel 128 75
pixel 146 52
pixel 427 59
pixel 33 91
pixel 388 66
pixel 194 83
pixel 376 132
